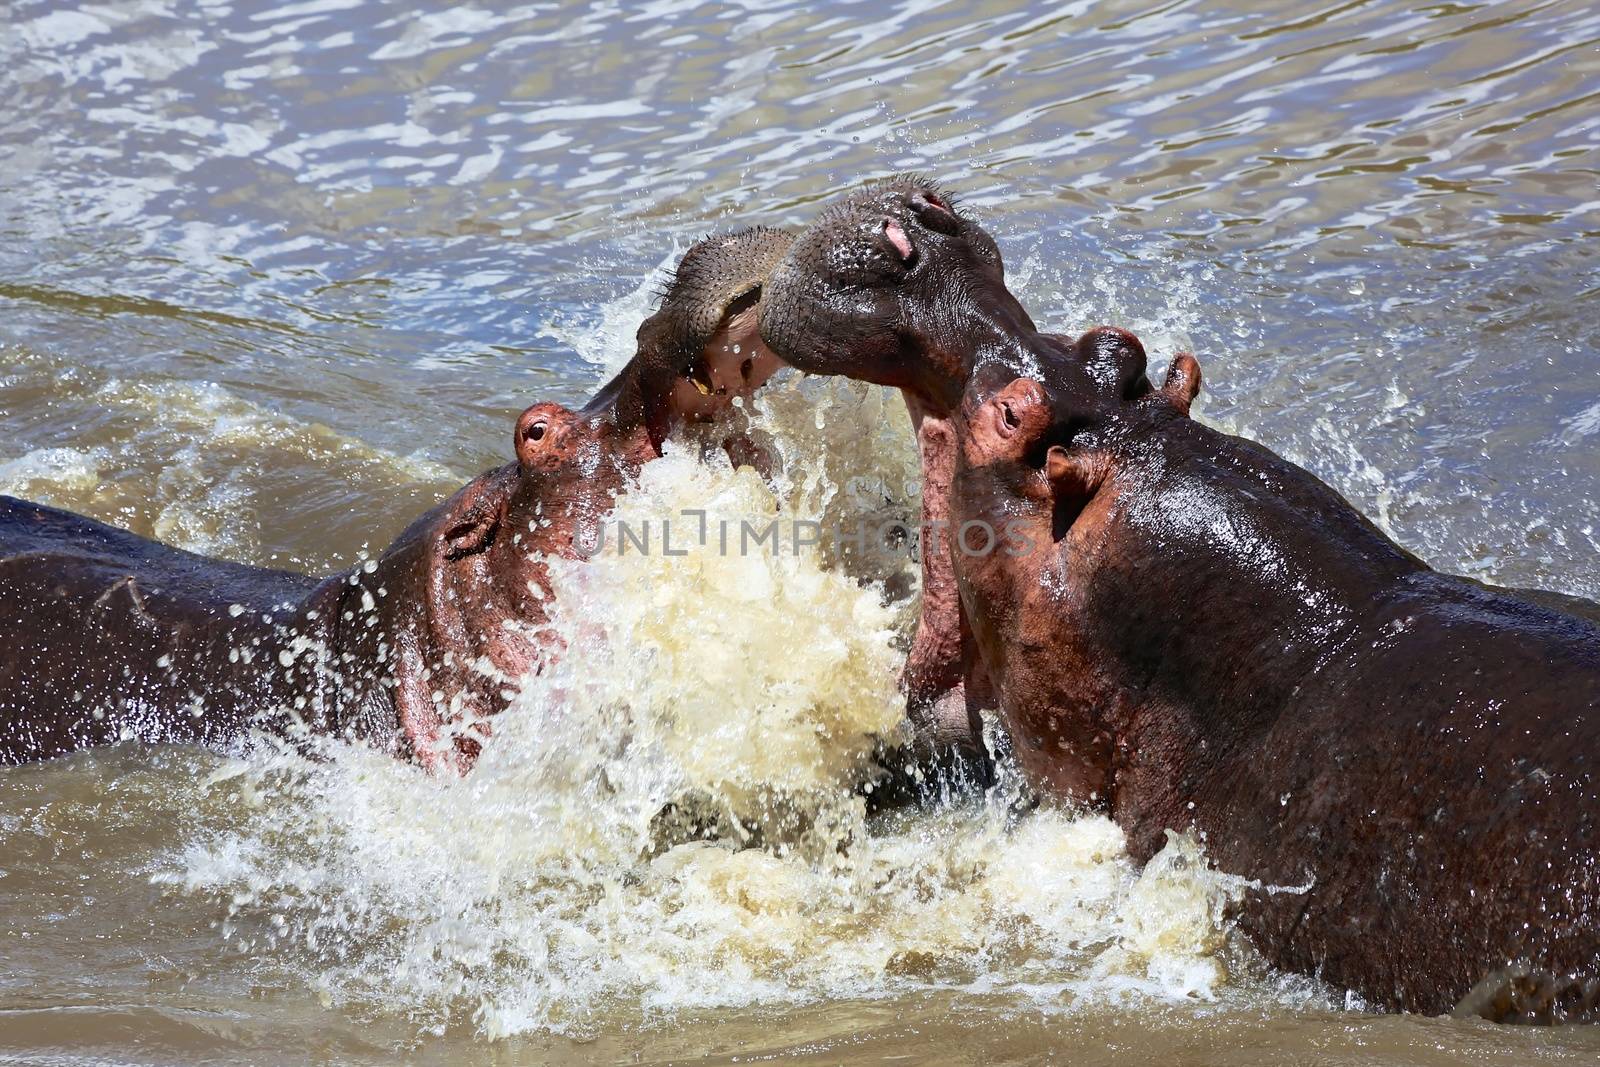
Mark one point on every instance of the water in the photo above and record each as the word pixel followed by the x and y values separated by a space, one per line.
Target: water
pixel 273 278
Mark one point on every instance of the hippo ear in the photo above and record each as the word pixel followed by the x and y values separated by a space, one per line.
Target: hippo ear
pixel 470 527
pixel 1115 360
pixel 1183 382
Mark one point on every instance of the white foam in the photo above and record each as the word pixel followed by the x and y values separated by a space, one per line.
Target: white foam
pixel 736 697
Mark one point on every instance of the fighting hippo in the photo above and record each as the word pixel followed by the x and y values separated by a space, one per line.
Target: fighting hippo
pixel 896 286
pixel 1186 630
pixel 107 636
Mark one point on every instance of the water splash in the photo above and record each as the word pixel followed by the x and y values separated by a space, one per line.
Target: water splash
pixel 673 817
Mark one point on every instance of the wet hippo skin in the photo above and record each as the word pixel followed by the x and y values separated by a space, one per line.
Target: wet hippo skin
pixel 1201 634
pixel 895 284
pixel 94 611
pixel 107 636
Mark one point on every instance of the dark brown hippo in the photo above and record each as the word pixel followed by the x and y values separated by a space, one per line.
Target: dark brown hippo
pixel 1185 630
pixel 105 635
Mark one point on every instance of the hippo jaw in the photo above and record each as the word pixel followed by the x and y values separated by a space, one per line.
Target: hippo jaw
pixel 895 286
pixel 701 350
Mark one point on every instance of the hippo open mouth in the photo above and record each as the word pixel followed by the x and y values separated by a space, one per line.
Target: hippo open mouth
pixel 418 650
pixel 893 285
pixel 702 349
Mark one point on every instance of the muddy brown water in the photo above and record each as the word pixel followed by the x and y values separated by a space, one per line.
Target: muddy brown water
pixel 275 277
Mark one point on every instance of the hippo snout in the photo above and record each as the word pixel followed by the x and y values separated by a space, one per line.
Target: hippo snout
pixel 853 294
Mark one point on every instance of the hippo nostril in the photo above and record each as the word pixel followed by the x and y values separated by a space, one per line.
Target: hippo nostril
pixel 896 235
pixel 747 368
pixel 933 212
pixel 1009 415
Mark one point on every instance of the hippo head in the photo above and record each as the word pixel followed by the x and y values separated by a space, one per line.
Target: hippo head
pixel 894 285
pixel 1034 453
pixel 1037 472
pixel 466 588
pixel 493 539
pixel 702 347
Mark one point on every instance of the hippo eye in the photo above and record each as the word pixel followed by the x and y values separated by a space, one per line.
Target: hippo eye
pixel 535 432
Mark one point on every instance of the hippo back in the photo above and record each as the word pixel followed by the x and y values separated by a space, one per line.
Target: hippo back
pixel 1417 789
pixel 1440 786
pixel 105 635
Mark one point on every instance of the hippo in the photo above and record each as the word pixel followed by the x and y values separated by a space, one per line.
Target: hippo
pixel 1187 631
pixel 107 636
pixel 701 350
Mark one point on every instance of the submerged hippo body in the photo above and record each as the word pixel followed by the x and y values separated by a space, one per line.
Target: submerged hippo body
pixel 92 611
pixel 107 636
pixel 1201 634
